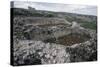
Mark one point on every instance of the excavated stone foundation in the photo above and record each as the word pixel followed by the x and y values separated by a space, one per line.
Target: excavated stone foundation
pixel 41 41
pixel 69 40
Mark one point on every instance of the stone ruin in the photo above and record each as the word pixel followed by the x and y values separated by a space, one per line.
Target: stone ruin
pixel 52 40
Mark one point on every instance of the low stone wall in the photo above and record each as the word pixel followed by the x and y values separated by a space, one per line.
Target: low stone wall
pixel 41 20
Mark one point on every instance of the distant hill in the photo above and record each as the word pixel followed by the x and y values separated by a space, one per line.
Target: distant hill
pixel 85 20
pixel 42 13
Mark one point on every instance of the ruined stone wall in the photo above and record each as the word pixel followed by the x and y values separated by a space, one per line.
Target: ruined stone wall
pixel 41 20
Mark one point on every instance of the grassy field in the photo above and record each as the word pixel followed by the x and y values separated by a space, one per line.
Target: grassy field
pixel 89 25
pixel 86 24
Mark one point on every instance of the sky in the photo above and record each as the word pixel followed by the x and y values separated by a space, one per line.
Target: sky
pixel 70 8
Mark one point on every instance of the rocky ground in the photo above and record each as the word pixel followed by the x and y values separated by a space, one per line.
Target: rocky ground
pixel 59 42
